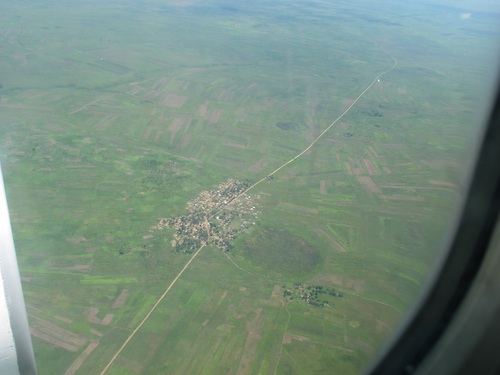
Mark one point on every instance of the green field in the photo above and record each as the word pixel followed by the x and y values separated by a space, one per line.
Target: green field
pixel 115 114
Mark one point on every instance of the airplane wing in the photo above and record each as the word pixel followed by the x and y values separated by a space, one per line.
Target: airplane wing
pixel 16 350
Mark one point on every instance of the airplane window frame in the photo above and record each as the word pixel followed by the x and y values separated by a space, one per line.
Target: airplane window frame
pixel 472 242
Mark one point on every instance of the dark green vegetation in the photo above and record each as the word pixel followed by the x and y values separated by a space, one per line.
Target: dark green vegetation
pixel 116 114
pixel 314 295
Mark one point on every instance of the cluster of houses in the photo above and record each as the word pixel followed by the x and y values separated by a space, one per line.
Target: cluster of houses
pixel 315 295
pixel 215 217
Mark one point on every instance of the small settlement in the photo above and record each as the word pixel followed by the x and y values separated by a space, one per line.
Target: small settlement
pixel 315 295
pixel 214 217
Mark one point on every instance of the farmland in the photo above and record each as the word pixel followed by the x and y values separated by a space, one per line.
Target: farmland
pixel 122 122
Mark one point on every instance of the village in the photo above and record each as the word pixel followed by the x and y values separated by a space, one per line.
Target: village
pixel 315 295
pixel 215 217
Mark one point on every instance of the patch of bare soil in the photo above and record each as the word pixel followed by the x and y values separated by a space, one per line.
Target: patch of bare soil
pixel 287 339
pixel 65 320
pixel 79 361
pixel 443 183
pixel 322 187
pixel 92 317
pixel 215 116
pixel 369 185
pixel 254 328
pixel 369 167
pixel 258 166
pixel 120 300
pixel 202 110
pixel 55 335
pixel 402 198
pixel 235 145
pixel 76 240
pixel 173 100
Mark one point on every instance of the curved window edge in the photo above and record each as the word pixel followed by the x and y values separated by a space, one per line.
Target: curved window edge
pixel 454 275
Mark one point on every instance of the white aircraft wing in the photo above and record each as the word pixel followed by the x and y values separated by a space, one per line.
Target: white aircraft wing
pixel 16 350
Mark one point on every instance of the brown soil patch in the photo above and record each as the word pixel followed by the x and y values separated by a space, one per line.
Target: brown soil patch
pixel 215 116
pixel 369 185
pixel 80 267
pixel 402 198
pixel 173 100
pixel 258 166
pixel 26 279
pixel 51 340
pixel 235 145
pixel 387 170
pixel 120 300
pixel 107 319
pixel 276 293
pixel 175 127
pixel 79 361
pixel 176 124
pixel 185 140
pixel 443 183
pixel 254 328
pixel 348 168
pixel 80 166
pixel 369 167
pixel 401 91
pixel 203 109
pixel 357 169
pixel 55 335
pixel 96 332
pixel 287 339
pixel 222 298
pixel 65 320
pixel 372 150
pixel 76 240
pixel 243 289
pixel 92 315
pixel 348 102
pixel 322 187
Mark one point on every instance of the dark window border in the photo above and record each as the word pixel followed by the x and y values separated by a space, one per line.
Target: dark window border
pixel 470 244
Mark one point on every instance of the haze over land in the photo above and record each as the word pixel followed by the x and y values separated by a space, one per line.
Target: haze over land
pixel 305 158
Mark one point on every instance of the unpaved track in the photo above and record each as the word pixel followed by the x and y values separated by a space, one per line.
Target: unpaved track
pixel 243 193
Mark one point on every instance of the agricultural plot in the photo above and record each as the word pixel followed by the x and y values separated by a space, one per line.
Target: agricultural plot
pixel 114 118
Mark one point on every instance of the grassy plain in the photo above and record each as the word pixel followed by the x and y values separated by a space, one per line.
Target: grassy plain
pixel 115 114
